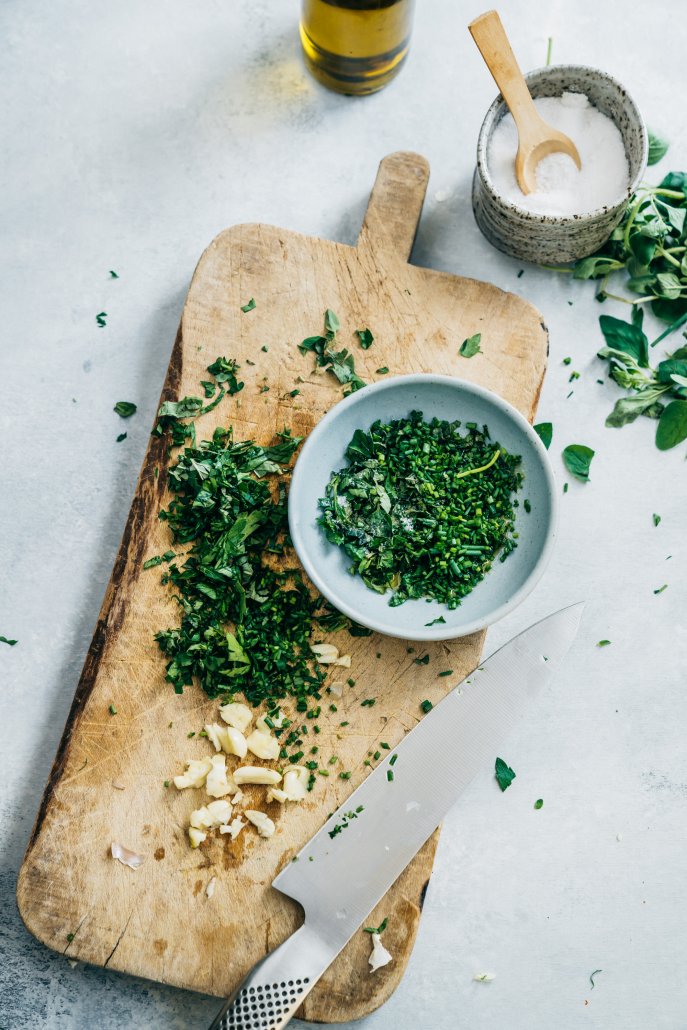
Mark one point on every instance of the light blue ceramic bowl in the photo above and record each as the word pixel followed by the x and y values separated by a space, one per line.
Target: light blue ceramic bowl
pixel 442 397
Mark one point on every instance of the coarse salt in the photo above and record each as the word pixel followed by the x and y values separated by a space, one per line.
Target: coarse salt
pixel 562 189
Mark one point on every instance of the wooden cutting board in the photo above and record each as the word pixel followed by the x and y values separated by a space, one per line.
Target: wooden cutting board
pixel 157 921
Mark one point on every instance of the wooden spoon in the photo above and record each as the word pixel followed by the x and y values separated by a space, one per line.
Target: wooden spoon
pixel 536 139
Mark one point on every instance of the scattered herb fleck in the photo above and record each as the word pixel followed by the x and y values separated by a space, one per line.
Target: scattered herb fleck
pixel 661 589
pixel 471 346
pixel 122 436
pixel 656 519
pixel 125 409
pixel 426 706
pixel 422 661
pixel 377 929
pixel 340 363
pixel 100 319
pixel 112 710
pixel 435 622
pixel 504 774
pixel 382 371
pixel 390 775
pixel 539 803
pixel 113 275
pixel 249 306
pixel 603 643
pixel 366 338
pixel 592 975
pixel 6 640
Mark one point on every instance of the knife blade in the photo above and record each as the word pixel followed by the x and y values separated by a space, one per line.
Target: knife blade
pixel 350 863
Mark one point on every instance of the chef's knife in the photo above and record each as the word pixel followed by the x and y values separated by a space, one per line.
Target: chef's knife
pixel 344 870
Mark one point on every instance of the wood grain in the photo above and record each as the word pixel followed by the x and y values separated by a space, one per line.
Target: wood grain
pixel 156 921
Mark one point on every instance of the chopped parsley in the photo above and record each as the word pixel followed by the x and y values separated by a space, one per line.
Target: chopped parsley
pixel 426 706
pixel 340 363
pixel 122 436
pixel 125 409
pixel 6 640
pixel 435 622
pixel 366 338
pixel 470 347
pixel 249 306
pixel 423 509
pixel 504 774
pixel 100 319
pixel 377 929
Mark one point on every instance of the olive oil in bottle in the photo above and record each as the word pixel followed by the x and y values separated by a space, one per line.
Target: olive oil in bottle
pixel 355 46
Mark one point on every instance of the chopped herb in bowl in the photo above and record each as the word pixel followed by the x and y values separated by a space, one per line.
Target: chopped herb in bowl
pixel 423 508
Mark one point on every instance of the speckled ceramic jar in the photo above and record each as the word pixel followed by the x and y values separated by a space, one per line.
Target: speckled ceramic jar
pixel 552 239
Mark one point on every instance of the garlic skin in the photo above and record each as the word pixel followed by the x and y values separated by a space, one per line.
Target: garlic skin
pixel 219 781
pixel 210 889
pixel 125 856
pixel 196 836
pixel 263 745
pixel 227 739
pixel 336 689
pixel 256 774
pixel 196 772
pixel 264 824
pixel 379 956
pixel 237 715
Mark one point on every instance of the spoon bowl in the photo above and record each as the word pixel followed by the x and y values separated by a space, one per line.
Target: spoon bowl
pixel 536 138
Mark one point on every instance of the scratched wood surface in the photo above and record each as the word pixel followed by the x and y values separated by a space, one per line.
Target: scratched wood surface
pixel 156 921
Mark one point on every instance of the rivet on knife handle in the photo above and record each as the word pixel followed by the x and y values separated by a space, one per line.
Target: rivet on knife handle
pixel 274 989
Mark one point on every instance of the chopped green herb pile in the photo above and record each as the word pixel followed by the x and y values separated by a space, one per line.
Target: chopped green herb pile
pixel 339 362
pixel 504 774
pixel 243 625
pixel 423 509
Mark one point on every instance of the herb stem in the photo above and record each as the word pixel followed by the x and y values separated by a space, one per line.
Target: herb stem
pixel 482 468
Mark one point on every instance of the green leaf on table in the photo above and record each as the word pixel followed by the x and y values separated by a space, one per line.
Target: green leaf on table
pixel 674 181
pixel 544 431
pixel 249 306
pixel 504 774
pixel 627 409
pixel 366 338
pixel 626 337
pixel 331 321
pixel 669 368
pixel 577 459
pixel 470 347
pixel 658 148
pixel 672 425
pixel 125 409
pixel 594 267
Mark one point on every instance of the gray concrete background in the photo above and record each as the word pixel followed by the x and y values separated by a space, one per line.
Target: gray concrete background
pixel 136 132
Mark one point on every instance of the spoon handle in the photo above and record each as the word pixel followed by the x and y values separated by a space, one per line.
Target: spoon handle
pixel 491 39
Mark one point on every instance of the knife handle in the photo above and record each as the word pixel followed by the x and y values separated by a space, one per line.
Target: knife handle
pixel 274 989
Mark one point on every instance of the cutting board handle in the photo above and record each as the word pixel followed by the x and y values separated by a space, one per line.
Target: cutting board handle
pixel 394 208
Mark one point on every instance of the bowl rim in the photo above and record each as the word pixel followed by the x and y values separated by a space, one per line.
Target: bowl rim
pixel 423 633
pixel 489 123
